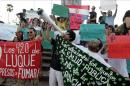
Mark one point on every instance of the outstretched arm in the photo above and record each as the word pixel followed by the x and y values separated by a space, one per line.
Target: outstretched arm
pixel 115 11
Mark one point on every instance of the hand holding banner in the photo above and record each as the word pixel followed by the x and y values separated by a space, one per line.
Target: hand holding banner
pixel 81 69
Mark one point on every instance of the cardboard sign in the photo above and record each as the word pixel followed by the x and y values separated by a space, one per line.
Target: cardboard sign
pixel 107 5
pixel 31 14
pixel 89 32
pixel 60 10
pixel 118 46
pixel 20 60
pixel 75 21
pixel 80 69
pixel 78 14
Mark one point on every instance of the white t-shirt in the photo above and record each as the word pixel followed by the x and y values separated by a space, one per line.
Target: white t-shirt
pixel 94 55
pixel 119 64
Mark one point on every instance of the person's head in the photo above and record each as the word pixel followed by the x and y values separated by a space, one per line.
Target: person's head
pixel 23 22
pixel 94 46
pixel 104 13
pixel 61 19
pixel 69 35
pixel 19 35
pixel 93 8
pixel 126 19
pixel 110 29
pixel 36 22
pixel 24 10
pixel 32 34
pixel 109 13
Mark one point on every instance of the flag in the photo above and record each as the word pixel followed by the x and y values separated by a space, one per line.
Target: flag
pixel 78 9
pixel 81 69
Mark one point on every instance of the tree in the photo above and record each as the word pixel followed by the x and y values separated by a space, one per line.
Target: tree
pixel 9 9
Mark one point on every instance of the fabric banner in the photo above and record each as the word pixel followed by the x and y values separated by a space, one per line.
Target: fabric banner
pixel 80 69
pixel 7 32
pixel 119 46
pixel 20 60
pixel 60 10
pixel 107 5
pixel 90 32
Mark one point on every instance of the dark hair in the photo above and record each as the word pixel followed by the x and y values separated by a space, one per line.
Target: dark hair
pixel 72 35
pixel 110 26
pixel 38 22
pixel 100 44
pixel 127 14
pixel 23 20
pixel 93 46
pixel 33 29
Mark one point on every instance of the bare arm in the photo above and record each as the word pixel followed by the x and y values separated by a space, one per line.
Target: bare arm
pixel 115 11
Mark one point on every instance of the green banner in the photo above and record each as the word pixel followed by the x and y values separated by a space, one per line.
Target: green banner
pixel 60 10
pixel 90 32
pixel 80 69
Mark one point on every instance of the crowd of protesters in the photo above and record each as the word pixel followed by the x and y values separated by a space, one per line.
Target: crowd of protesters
pixel 32 29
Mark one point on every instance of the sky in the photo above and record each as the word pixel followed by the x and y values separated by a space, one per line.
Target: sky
pixel 123 6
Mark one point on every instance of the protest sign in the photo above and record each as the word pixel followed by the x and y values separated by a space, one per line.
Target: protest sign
pixel 70 2
pixel 89 32
pixel 31 14
pixel 7 32
pixel 118 46
pixel 60 10
pixel 81 69
pixel 77 15
pixel 107 5
pixel 20 60
pixel 75 21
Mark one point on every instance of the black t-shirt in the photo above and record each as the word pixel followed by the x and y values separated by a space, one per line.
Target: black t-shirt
pixel 93 15
pixel 55 62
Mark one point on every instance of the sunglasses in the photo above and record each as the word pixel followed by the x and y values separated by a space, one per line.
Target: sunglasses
pixel 30 32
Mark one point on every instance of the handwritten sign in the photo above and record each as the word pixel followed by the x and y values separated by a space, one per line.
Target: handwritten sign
pixel 31 14
pixel 90 32
pixel 80 69
pixel 60 10
pixel 118 46
pixel 20 60
pixel 75 21
pixel 108 4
